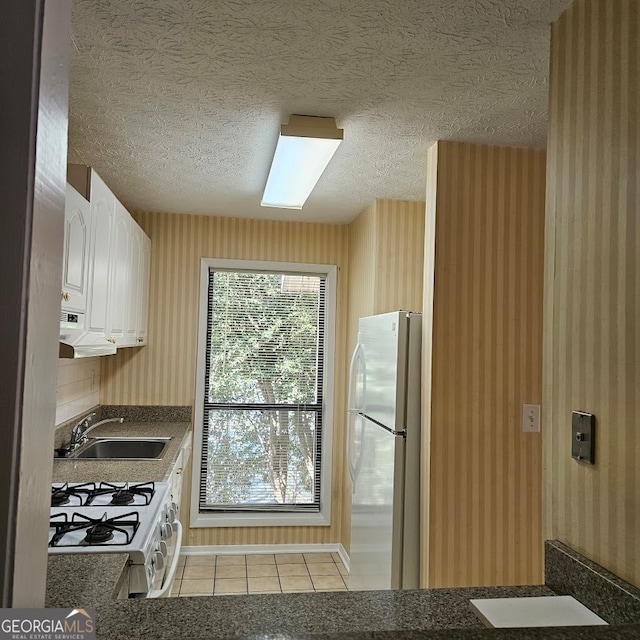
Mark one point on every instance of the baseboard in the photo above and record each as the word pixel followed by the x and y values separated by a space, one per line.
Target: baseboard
pixel 245 549
pixel 344 556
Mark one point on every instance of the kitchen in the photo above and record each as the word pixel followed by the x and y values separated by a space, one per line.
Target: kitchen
pixel 167 390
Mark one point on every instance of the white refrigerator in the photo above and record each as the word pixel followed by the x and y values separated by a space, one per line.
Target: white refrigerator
pixel 383 452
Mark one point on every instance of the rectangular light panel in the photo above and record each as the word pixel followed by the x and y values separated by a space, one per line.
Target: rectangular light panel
pixel 297 165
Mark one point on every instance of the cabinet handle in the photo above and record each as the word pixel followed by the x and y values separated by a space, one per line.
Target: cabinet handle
pixel 65 296
pixel 140 339
pixel 111 340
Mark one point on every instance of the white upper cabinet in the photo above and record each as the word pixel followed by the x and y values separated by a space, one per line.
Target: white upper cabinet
pixel 143 299
pixel 139 259
pixel 133 308
pixel 103 211
pixel 106 263
pixel 77 236
pixel 117 316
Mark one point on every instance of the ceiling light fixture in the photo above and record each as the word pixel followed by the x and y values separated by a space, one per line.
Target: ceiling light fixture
pixel 305 147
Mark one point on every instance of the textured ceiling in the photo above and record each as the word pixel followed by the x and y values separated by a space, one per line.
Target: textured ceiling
pixel 178 103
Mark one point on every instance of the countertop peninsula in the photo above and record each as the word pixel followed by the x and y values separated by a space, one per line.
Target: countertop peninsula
pixel 92 580
pixel 356 615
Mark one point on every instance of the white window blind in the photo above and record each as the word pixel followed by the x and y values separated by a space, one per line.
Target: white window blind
pixel 262 413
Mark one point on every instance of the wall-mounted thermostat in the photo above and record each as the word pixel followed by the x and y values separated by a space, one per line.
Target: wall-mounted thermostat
pixel 583 436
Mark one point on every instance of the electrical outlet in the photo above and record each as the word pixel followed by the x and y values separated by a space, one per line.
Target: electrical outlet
pixel 530 418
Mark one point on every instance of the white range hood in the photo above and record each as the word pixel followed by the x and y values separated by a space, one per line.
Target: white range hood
pixel 75 342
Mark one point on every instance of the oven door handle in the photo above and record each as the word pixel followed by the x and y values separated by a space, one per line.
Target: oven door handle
pixel 160 593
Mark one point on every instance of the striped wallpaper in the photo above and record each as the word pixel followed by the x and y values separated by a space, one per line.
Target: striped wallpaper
pixel 385 260
pixel 164 371
pixel 399 255
pixel 362 276
pixel 592 282
pixel 385 274
pixel 484 264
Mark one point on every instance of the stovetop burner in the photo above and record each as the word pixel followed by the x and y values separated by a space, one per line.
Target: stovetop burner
pixel 99 533
pixel 122 497
pixel 59 497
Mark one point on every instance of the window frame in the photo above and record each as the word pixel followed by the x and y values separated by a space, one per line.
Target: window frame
pixel 266 518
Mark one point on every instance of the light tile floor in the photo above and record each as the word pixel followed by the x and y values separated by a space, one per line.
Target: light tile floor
pixel 261 573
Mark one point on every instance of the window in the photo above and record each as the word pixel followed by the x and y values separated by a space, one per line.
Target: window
pixel 263 417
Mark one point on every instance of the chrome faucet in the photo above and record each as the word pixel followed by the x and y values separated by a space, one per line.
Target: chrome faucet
pixel 80 432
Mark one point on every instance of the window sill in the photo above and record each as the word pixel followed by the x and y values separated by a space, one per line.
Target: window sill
pixel 209 520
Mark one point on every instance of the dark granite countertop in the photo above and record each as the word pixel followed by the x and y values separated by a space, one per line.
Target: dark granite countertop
pixel 87 580
pixel 72 470
pixel 544 633
pixel 358 615
pixel 91 580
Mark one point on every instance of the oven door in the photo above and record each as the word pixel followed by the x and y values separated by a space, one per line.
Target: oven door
pixel 174 546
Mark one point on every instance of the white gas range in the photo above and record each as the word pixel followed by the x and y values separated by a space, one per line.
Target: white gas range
pixel 120 517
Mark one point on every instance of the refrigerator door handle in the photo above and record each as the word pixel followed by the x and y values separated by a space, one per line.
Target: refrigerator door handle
pixel 357 356
pixel 354 459
pixel 352 413
pixel 352 470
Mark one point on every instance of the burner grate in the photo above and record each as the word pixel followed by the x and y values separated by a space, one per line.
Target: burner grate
pixel 124 495
pixel 99 531
pixel 76 495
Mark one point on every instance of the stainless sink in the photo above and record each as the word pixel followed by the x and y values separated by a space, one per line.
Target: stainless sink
pixel 122 449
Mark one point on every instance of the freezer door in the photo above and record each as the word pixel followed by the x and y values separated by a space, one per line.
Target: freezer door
pixel 383 358
pixel 377 509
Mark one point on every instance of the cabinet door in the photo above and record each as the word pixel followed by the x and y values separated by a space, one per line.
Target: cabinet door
pixel 145 272
pixel 103 218
pixel 119 276
pixel 135 271
pixel 77 238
